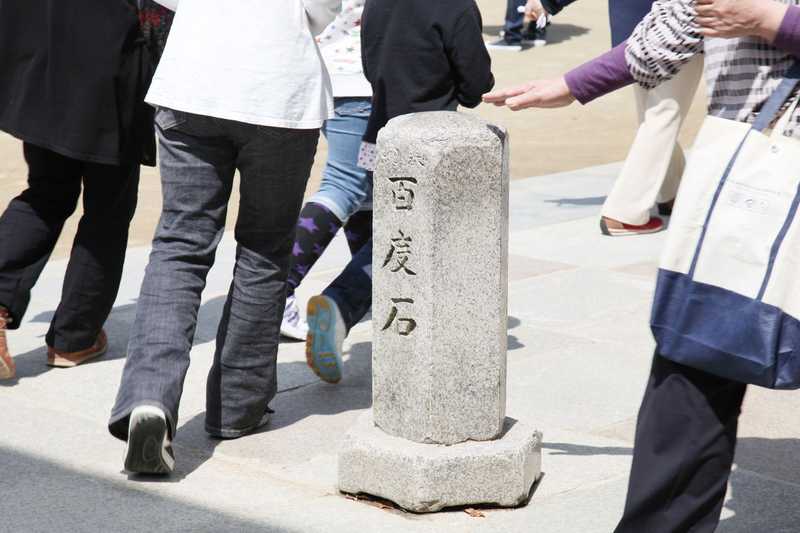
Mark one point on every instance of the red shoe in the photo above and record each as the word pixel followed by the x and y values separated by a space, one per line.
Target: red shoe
pixel 70 359
pixel 620 229
pixel 7 367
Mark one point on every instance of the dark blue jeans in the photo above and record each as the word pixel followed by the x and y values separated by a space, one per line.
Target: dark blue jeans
pixel 515 21
pixel 352 290
pixel 198 158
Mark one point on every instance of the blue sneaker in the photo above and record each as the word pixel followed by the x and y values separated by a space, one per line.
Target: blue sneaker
pixel 326 333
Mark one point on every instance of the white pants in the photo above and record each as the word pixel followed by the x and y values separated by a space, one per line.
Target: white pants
pixel 652 172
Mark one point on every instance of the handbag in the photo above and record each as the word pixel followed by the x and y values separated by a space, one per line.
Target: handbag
pixel 727 300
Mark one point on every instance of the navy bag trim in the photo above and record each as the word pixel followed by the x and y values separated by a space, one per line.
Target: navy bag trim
pixel 720 331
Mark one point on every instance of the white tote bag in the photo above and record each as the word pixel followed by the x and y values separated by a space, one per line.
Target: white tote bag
pixel 728 294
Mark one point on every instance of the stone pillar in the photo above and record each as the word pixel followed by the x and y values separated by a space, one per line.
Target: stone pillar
pixel 437 435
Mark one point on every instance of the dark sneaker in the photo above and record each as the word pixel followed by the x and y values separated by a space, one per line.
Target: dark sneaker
pixel 535 37
pixel 665 208
pixel 149 447
pixel 503 44
pixel 326 333
pixel 7 367
pixel 70 359
pixel 615 228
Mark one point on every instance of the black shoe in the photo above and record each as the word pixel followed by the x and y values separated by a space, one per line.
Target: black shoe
pixel 149 448
pixel 503 44
pixel 535 37
pixel 665 208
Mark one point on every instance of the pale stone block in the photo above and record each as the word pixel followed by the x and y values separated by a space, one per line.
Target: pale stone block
pixel 440 269
pixel 429 477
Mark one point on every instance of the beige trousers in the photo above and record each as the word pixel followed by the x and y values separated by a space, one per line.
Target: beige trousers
pixel 652 172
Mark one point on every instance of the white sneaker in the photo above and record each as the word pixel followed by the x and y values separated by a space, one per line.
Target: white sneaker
pixel 149 448
pixel 293 325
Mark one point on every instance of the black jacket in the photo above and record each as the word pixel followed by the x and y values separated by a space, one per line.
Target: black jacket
pixel 422 55
pixel 73 75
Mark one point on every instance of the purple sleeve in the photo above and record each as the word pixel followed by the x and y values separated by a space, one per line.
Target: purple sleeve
pixel 788 38
pixel 600 76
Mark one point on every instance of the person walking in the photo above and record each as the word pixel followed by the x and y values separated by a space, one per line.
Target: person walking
pixel 239 87
pixel 686 430
pixel 651 174
pixel 77 105
pixel 520 28
pixel 344 197
pixel 418 56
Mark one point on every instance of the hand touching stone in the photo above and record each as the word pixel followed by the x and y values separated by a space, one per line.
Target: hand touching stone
pixel 542 93
pixel 740 18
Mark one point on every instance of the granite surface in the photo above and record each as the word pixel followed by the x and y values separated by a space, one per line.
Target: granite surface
pixel 440 278
pixel 430 477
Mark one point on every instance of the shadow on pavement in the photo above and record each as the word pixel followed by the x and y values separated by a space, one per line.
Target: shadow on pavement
pixel 757 502
pixel 193 446
pixel 40 495
pixel 582 202
pixel 561 448
pixel 118 326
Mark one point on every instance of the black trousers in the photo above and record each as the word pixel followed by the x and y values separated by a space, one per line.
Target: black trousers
pixel 32 223
pixel 683 453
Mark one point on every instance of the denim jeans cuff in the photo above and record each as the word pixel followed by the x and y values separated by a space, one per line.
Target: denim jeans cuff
pixel 118 424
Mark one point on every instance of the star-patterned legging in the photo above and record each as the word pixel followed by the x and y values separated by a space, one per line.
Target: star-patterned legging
pixel 316 227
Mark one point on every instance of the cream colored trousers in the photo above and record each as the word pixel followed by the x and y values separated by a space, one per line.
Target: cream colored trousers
pixel 652 172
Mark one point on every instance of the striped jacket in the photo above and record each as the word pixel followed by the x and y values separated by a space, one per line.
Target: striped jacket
pixel 740 73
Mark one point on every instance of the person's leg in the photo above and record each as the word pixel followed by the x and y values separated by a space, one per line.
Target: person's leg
pixel 512 28
pixel 343 189
pixel 652 173
pixel 358 230
pixel 275 165
pixel 197 166
pixel 515 21
pixel 333 314
pixel 683 452
pixel 32 223
pixel 95 266
pixel 29 229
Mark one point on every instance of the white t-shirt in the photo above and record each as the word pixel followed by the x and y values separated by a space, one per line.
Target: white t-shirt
pixel 247 60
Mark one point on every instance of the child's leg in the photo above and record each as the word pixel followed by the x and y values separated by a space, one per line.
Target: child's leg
pixel 358 230
pixel 344 188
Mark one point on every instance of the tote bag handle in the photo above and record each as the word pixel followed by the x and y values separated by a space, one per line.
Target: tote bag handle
pixel 772 108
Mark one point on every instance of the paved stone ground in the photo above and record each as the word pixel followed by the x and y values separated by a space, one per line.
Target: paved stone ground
pixel 579 355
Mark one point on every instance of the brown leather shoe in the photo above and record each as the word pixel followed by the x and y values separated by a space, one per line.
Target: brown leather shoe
pixel 7 367
pixel 70 359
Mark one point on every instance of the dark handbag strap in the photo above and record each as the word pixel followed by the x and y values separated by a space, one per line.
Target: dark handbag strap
pixel 772 108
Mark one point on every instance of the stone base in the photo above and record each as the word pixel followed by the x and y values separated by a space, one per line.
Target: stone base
pixel 428 477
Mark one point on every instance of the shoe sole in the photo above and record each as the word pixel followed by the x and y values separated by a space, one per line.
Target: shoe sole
pixel 145 453
pixel 60 362
pixel 621 232
pixel 321 342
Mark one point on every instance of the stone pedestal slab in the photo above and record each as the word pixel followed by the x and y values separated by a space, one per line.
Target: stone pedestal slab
pixel 427 477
